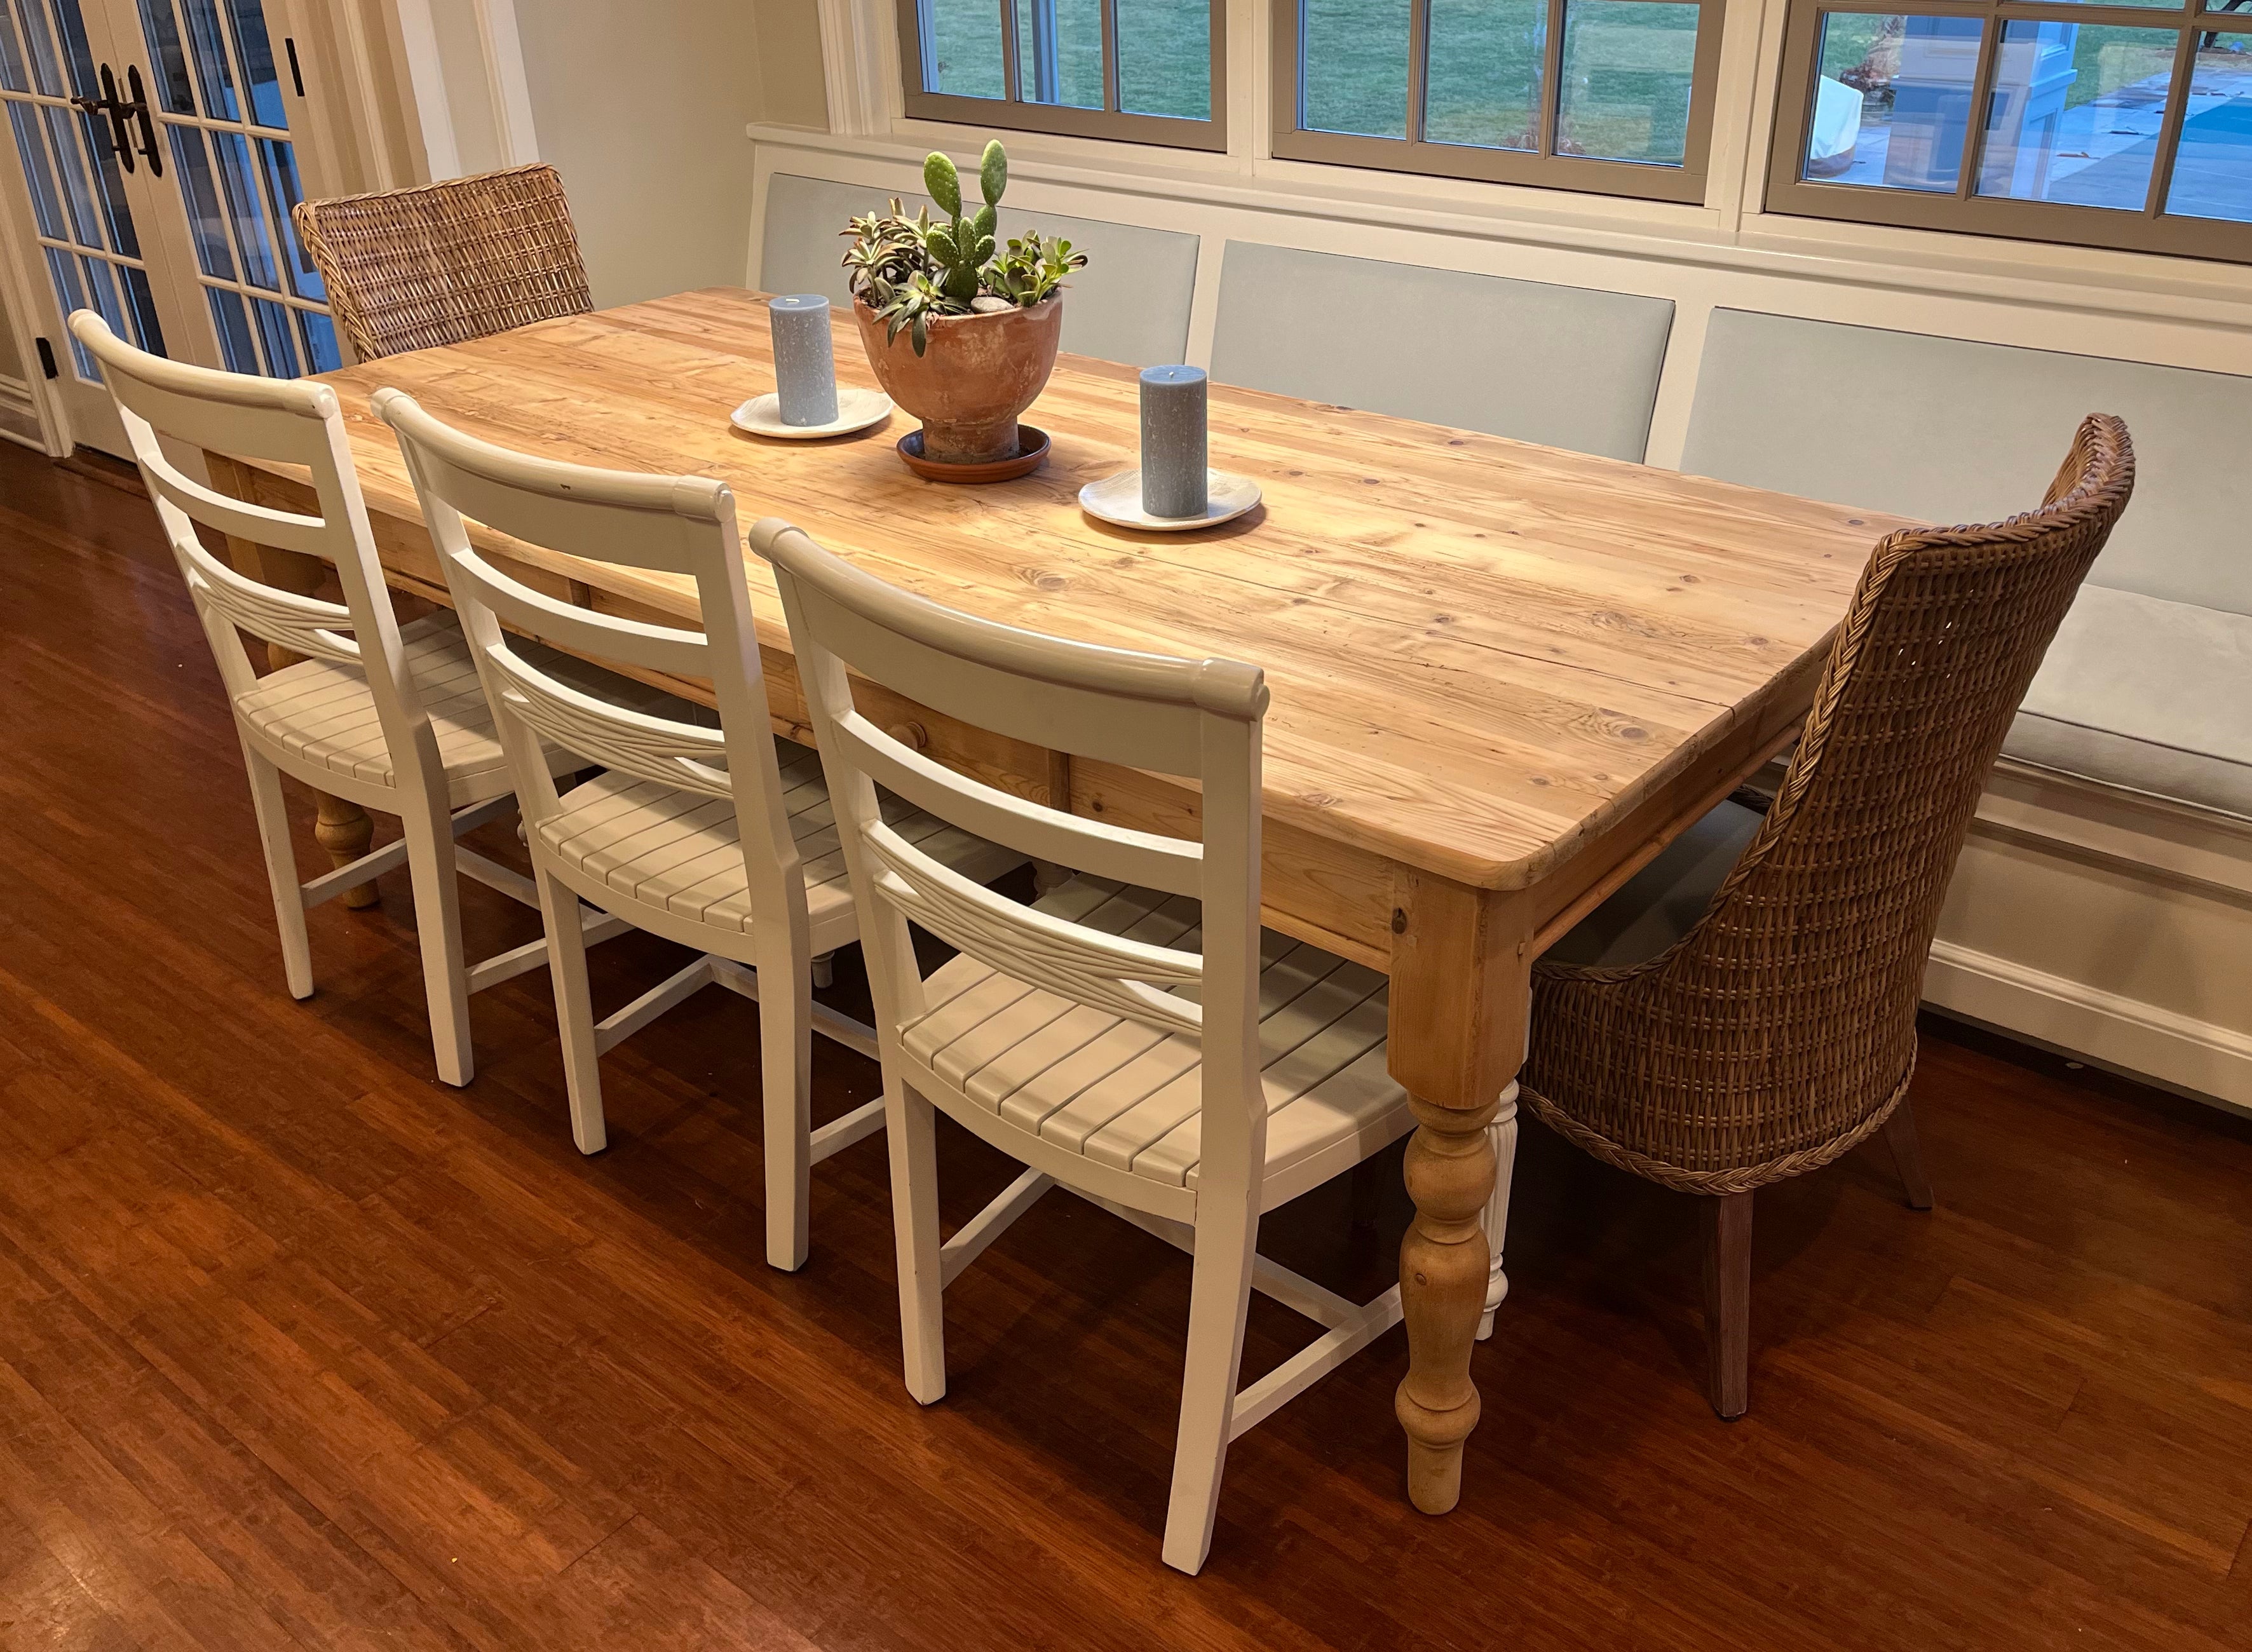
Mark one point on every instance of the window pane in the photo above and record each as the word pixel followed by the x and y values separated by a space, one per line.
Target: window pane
pixel 234 327
pixel 274 333
pixel 1354 66
pixel 86 228
pixel 211 60
pixel 241 191
pixel 101 292
pixel 116 212
pixel 39 171
pixel 256 53
pixel 962 48
pixel 70 296
pixel 70 29
pixel 1059 53
pixel 199 194
pixel 1164 57
pixel 279 158
pixel 46 68
pixel 2212 166
pixel 1625 81
pixel 13 75
pixel 1484 83
pixel 174 90
pixel 320 337
pixel 1892 103
pixel 143 303
pixel 2075 114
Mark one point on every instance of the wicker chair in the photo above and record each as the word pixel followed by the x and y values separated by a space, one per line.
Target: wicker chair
pixel 1779 1029
pixel 410 269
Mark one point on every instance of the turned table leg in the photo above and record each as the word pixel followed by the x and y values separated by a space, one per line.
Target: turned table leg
pixel 1503 1134
pixel 1442 1288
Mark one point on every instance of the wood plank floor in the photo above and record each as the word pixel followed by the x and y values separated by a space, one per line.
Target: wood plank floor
pixel 300 1349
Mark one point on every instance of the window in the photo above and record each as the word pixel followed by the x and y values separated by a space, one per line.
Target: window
pixel 1146 71
pixel 1609 95
pixel 2126 125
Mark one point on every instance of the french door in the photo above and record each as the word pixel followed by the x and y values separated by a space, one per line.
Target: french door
pixel 155 171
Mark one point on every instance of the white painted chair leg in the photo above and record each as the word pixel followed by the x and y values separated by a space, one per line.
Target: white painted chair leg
pixel 574 1011
pixel 910 1126
pixel 1502 1134
pixel 438 918
pixel 266 800
pixel 1218 1295
pixel 825 972
pixel 786 1076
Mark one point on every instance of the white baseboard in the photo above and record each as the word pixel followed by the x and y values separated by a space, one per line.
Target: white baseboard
pixel 2214 1063
pixel 19 414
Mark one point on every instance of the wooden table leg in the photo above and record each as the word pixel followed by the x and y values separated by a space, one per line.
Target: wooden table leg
pixel 341 827
pixel 1459 983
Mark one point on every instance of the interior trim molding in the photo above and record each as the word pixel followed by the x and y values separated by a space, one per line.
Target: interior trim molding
pixel 2142 1040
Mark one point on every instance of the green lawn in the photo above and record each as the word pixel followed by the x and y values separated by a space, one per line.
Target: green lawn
pixel 1625 83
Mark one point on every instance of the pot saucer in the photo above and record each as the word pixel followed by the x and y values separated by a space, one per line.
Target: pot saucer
pixel 1033 452
pixel 856 409
pixel 1118 500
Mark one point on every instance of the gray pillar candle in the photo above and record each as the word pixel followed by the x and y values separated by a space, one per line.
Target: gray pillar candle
pixel 805 368
pixel 1173 442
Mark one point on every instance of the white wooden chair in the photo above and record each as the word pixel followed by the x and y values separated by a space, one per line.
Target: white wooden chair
pixel 386 715
pixel 698 833
pixel 1133 1035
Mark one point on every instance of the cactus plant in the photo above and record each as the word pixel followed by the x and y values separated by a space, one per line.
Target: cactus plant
pixel 908 270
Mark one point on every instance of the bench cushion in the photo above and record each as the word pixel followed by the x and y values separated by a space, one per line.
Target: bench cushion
pixel 2152 694
pixel 1130 304
pixel 1950 431
pixel 1570 366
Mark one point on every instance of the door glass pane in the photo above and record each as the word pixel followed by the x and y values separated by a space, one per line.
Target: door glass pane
pixel 2213 166
pixel 199 194
pixel 46 68
pixel 140 303
pixel 175 92
pixel 1353 75
pixel 70 29
pixel 1482 87
pixel 275 332
pixel 39 170
pixel 1059 53
pixel 1164 57
pixel 1892 104
pixel 232 323
pixel 117 211
pixel 320 335
pixel 101 288
pixel 279 161
pixel 70 295
pixel 255 53
pixel 86 228
pixel 241 191
pixel 14 75
pixel 212 70
pixel 962 48
pixel 2076 112
pixel 1625 81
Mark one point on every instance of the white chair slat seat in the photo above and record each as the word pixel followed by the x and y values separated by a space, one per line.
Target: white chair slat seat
pixel 1131 1097
pixel 679 851
pixel 323 713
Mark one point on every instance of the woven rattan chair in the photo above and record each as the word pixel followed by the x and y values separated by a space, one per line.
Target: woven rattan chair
pixel 411 269
pixel 1779 1029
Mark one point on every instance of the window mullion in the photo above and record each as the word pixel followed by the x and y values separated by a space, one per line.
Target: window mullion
pixel 1982 102
pixel 1110 56
pixel 1551 70
pixel 1419 66
pixel 2162 165
pixel 1011 86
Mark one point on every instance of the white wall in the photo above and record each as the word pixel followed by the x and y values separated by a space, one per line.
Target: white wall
pixel 642 108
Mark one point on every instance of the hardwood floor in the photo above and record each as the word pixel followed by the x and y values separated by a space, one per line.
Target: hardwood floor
pixel 300 1349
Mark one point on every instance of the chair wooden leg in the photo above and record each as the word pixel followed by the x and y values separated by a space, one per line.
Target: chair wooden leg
pixel 272 812
pixel 785 1077
pixel 574 1010
pixel 911 1131
pixel 1220 1296
pixel 1728 1302
pixel 438 920
pixel 1907 1158
pixel 1502 1134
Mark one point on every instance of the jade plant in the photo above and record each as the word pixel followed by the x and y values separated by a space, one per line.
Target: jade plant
pixel 909 269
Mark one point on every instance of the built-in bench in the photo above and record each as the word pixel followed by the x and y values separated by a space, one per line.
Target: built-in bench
pixel 1131 304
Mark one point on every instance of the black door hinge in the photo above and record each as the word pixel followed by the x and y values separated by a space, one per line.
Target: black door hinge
pixel 296 73
pixel 47 359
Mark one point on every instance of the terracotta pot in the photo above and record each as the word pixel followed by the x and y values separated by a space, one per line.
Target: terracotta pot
pixel 977 373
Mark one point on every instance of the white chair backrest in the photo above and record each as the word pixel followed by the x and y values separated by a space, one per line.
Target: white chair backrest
pixel 1199 718
pixel 676 524
pixel 289 421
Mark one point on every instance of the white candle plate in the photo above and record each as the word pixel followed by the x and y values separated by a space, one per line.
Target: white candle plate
pixel 1118 500
pixel 856 409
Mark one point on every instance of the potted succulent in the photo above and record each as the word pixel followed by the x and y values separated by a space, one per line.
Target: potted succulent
pixel 960 328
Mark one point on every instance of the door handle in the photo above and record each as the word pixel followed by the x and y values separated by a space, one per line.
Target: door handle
pixel 120 134
pixel 140 107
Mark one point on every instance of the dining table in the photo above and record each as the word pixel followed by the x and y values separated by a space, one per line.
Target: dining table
pixel 1504 676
